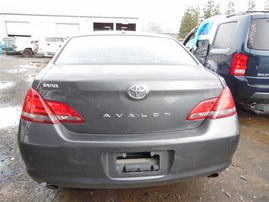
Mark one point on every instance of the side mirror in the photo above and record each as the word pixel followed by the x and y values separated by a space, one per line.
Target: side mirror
pixel 202 50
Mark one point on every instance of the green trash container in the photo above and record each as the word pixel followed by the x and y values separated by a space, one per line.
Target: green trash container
pixel 9 45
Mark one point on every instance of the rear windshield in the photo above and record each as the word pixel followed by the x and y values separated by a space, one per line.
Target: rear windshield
pixel 259 34
pixel 54 39
pixel 124 50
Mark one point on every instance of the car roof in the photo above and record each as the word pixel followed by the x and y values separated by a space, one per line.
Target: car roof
pixel 249 13
pixel 208 27
pixel 124 33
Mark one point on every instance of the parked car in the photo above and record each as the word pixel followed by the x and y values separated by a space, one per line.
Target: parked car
pixel 26 46
pixel 239 52
pixel 126 109
pixel 48 46
pixel 204 33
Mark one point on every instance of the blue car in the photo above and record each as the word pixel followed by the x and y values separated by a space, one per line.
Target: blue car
pixel 239 52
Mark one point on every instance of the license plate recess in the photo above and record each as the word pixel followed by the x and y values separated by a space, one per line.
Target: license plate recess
pixel 138 162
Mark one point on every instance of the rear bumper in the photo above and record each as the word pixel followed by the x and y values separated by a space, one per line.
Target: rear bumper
pixel 244 93
pixel 45 53
pixel 260 96
pixel 60 157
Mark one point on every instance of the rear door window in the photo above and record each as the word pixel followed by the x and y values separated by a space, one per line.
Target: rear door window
pixel 225 35
pixel 258 37
pixel 53 39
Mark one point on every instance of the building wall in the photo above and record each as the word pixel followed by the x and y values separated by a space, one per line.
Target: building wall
pixel 2 26
pixel 54 25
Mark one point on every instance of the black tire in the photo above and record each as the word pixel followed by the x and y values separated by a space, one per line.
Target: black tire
pixel 27 53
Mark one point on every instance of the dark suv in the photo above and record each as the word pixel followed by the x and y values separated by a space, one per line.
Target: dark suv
pixel 239 52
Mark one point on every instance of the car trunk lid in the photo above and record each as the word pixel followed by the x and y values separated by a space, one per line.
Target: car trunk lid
pixel 101 95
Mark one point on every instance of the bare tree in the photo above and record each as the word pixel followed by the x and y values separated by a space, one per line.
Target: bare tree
pixel 154 27
pixel 251 5
pixel 210 9
pixel 230 8
pixel 266 5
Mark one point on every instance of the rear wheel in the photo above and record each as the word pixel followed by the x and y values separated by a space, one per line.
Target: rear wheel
pixel 27 53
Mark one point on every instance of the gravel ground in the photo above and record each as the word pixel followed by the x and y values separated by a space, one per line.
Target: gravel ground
pixel 247 179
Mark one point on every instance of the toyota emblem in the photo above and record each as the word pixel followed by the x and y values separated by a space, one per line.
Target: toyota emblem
pixel 137 92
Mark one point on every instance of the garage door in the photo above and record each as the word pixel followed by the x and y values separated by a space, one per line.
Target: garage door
pixel 67 30
pixel 100 26
pixel 129 27
pixel 18 28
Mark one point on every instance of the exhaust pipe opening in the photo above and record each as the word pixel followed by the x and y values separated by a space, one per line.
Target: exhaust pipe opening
pixel 214 175
pixel 253 105
pixel 52 186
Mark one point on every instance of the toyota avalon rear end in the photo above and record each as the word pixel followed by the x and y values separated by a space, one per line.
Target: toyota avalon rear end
pixel 118 110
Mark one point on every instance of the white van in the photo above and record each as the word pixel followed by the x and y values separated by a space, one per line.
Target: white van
pixel 26 46
pixel 48 46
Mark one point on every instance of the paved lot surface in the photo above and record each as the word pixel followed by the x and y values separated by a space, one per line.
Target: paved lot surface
pixel 247 179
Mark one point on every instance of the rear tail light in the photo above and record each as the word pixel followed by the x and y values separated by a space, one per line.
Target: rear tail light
pixel 239 64
pixel 65 113
pixel 216 108
pixel 36 109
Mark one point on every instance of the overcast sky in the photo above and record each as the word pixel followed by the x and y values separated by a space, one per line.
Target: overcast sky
pixel 166 13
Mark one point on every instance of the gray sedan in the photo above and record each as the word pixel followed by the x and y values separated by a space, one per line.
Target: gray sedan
pixel 118 110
